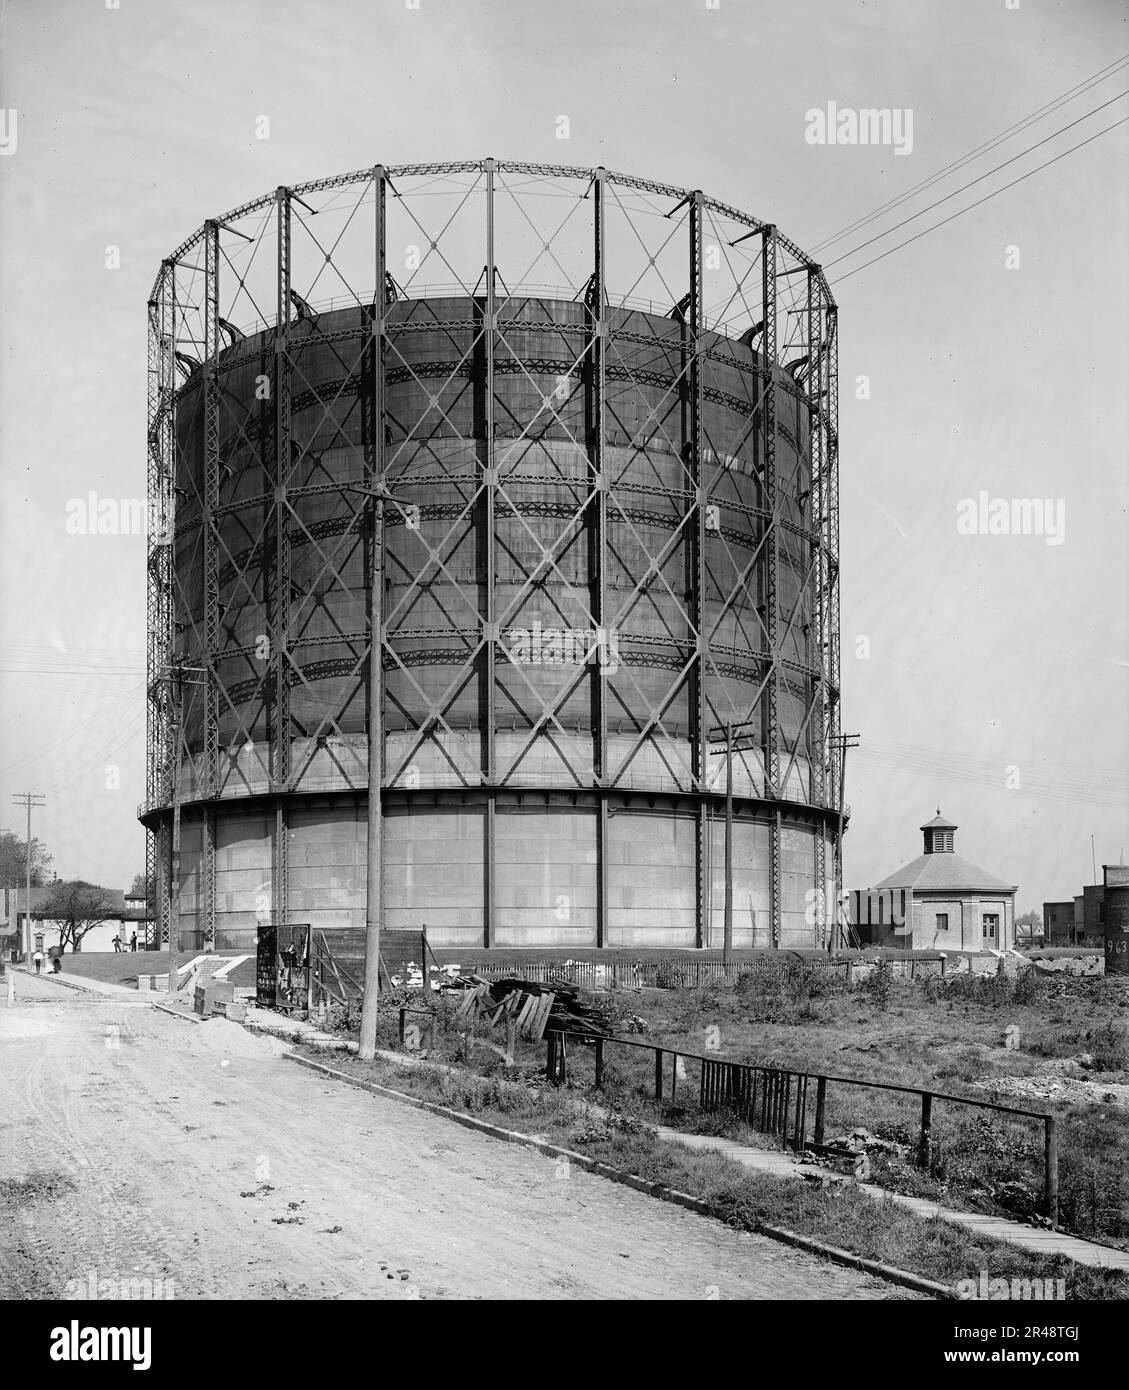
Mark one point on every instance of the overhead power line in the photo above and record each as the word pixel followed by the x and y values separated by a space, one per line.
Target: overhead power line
pixel 1092 81
pixel 973 182
pixel 986 198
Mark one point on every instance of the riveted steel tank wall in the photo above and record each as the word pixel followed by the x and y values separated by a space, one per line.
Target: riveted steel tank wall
pixel 545 868
pixel 544 474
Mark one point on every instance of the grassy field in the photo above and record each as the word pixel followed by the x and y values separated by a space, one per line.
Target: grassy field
pixel 123 968
pixel 954 1037
pixel 839 1215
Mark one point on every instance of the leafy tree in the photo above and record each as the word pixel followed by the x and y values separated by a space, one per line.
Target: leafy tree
pixel 77 906
pixel 13 861
pixel 142 887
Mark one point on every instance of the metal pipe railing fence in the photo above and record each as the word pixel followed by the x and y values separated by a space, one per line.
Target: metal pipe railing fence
pixel 774 1100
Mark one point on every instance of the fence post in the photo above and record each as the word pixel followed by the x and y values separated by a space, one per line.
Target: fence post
pixel 432 1047
pixel 551 1057
pixel 658 1073
pixel 403 1015
pixel 599 1063
pixel 820 1107
pixel 924 1144
pixel 1051 1169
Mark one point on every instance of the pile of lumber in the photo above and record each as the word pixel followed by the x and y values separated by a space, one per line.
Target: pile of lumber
pixel 534 1008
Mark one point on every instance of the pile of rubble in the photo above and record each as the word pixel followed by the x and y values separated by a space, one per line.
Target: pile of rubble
pixel 533 1008
pixel 1050 1087
pixel 849 1154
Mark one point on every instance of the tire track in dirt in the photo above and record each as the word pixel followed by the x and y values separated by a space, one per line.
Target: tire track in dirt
pixel 259 1179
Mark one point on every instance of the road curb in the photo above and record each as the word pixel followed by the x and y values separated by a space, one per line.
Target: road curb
pixel 58 980
pixel 175 1013
pixel 651 1189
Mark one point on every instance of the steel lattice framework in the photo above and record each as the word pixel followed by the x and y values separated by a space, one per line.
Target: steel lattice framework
pixel 251 585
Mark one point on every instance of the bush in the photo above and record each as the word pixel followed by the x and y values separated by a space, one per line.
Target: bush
pixel 1110 1048
pixel 879 986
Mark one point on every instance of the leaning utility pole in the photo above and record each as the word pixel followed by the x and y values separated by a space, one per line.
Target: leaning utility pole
pixel 29 799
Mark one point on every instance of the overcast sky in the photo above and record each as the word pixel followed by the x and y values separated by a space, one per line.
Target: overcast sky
pixel 991 659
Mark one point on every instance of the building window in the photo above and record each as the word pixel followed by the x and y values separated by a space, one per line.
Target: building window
pixel 991 926
pixel 942 921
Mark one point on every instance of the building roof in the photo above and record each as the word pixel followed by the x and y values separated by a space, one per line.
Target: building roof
pixel 936 873
pixel 939 823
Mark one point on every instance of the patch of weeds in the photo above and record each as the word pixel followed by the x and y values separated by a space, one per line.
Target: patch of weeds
pixel 878 987
pixel 1109 1047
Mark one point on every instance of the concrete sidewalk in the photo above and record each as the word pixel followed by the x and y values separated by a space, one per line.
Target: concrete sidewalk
pixel 81 982
pixel 1040 1240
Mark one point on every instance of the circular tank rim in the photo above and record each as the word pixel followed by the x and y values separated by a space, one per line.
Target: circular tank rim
pixel 558 171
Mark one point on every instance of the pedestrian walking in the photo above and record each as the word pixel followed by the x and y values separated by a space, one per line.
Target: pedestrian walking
pixel 38 958
pixel 133 942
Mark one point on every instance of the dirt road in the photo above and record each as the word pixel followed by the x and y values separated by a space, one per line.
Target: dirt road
pixel 136 1146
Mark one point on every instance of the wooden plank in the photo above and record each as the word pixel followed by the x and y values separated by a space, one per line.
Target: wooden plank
pixel 541 1018
pixel 525 1019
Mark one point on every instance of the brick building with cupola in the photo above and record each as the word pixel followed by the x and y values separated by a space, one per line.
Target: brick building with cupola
pixel 937 902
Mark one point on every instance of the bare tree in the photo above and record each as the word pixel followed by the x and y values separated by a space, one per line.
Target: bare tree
pixel 77 906
pixel 142 887
pixel 1031 924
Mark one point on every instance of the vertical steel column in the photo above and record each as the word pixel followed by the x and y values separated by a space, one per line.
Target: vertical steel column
pixel 150 884
pixel 211 574
pixel 162 908
pixel 161 500
pixel 817 742
pixel 598 501
pixel 208 832
pixel 280 609
pixel 698 605
pixel 280 876
pixel 374 872
pixel 831 543
pixel 772 553
pixel 490 626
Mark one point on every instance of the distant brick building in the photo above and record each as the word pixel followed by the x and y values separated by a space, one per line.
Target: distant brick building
pixel 937 901
pixel 1081 922
pixel 1058 923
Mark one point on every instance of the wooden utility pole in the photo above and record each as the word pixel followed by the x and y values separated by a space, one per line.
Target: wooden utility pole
pixel 727 938
pixel 175 675
pixel 177 702
pixel 373 880
pixel 845 741
pixel 29 799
